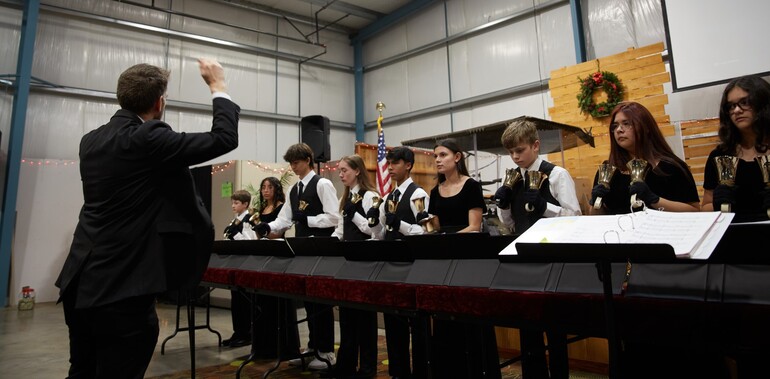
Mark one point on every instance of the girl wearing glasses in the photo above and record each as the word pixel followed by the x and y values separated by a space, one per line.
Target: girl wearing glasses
pixel 744 132
pixel 668 184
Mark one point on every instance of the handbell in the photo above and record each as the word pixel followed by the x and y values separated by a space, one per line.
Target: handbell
pixel 764 167
pixel 605 173
pixel 536 179
pixel 637 168
pixel 355 198
pixel 391 205
pixel 512 177
pixel 420 205
pixel 376 202
pixel 302 205
pixel 236 221
pixel 726 169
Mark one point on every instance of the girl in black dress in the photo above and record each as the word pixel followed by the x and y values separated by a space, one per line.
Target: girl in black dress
pixel 272 198
pixel 668 185
pixel 744 132
pixel 459 349
pixel 457 202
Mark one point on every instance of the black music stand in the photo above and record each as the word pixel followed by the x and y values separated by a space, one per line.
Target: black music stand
pixel 326 250
pixel 366 260
pixel 603 255
pixel 436 255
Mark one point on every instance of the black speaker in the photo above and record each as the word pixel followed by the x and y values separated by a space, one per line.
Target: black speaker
pixel 315 133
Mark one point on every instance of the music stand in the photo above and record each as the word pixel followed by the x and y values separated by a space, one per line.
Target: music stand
pixel 325 250
pixel 602 255
pixel 436 255
pixel 366 260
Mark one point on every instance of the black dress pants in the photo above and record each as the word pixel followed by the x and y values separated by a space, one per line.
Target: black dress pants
pixel 320 324
pixel 240 312
pixel 271 327
pixel 111 341
pixel 397 331
pixel 358 342
pixel 464 350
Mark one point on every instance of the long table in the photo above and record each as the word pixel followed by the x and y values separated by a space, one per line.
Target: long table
pixel 725 300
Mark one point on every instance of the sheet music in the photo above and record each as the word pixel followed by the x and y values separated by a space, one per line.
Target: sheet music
pixel 691 234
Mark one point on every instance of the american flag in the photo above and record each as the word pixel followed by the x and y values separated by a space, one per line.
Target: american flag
pixel 383 175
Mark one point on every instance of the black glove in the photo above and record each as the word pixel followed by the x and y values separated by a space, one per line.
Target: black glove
pixel 599 191
pixel 724 194
pixel 349 210
pixel 233 229
pixel 299 217
pixel 392 221
pixel 503 197
pixel 373 214
pixel 421 216
pixel 533 198
pixel 262 229
pixel 643 193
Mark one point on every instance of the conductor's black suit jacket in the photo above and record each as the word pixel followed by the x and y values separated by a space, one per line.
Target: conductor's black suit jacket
pixel 143 228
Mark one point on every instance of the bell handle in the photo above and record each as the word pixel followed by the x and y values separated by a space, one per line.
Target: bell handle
pixel 598 203
pixel 726 208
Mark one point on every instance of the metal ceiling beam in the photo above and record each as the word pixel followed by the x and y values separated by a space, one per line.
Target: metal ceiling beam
pixel 348 8
pixel 196 37
pixel 391 19
pixel 292 17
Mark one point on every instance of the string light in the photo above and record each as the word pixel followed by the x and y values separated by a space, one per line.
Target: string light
pixel 47 162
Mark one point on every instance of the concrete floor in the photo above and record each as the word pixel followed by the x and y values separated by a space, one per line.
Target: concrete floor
pixel 35 343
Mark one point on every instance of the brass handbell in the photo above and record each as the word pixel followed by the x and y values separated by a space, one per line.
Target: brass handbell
pixel 254 220
pixel 726 169
pixel 536 179
pixel 236 221
pixel 354 198
pixel 426 225
pixel 605 173
pixel 376 202
pixel 391 209
pixel 764 167
pixel 302 205
pixel 512 177
pixel 637 168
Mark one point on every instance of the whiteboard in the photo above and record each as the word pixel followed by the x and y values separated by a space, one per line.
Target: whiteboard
pixel 713 41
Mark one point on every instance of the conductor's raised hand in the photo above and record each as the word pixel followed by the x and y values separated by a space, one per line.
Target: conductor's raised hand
pixel 213 74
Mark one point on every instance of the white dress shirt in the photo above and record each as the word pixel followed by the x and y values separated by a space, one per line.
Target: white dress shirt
pixel 361 222
pixel 247 232
pixel 406 228
pixel 562 188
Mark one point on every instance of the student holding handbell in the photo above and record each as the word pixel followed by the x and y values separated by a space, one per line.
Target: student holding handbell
pixel 647 172
pixel 357 355
pixel 737 174
pixel 534 190
pixel 398 213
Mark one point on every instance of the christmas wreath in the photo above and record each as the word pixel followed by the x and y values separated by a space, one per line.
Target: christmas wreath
pixel 606 81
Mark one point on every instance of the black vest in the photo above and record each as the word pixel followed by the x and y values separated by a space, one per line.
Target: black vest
pixel 403 211
pixel 314 208
pixel 350 231
pixel 521 217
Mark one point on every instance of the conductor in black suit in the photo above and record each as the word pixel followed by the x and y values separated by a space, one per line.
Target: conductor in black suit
pixel 143 229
